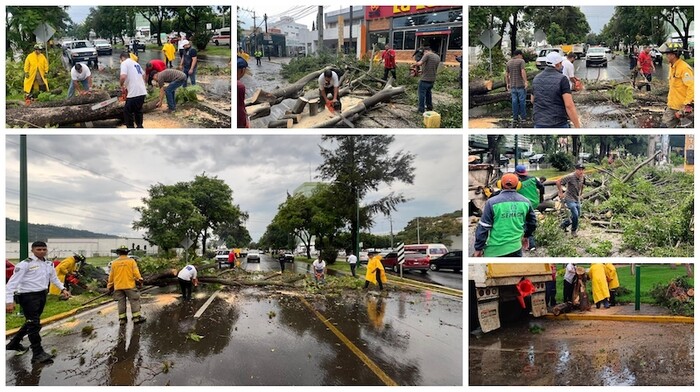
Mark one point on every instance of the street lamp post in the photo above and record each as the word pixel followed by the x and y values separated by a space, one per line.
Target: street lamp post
pixel 357 211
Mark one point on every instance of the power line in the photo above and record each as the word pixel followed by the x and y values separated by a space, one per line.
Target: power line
pixel 77 166
pixel 62 202
pixel 68 213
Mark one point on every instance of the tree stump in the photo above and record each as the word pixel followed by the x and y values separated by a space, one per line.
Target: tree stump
pixel 285 123
pixel 313 106
pixel 294 117
pixel 299 105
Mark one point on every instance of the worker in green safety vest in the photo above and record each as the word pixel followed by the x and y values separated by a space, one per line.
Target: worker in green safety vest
pixel 533 190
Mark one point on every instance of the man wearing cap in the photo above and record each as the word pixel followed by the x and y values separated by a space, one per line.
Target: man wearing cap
pixel 242 118
pixel 533 190
pixel 574 183
pixel 516 82
pixel 131 82
pixel 507 222
pixel 123 279
pixel 81 80
pixel 553 105
pixel 646 67
pixel 35 69
pixel 188 64
pixel 681 88
pixel 28 285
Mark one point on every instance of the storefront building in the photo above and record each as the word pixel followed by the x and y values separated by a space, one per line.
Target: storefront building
pixel 408 28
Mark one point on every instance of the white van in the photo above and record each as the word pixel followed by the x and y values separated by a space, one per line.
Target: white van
pixel 432 250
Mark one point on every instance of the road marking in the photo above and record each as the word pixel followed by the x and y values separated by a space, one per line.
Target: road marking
pixel 206 304
pixel 363 357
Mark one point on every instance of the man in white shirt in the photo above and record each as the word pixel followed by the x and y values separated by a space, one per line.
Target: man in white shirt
pixel 319 270
pixel 569 276
pixel 30 283
pixel 80 76
pixel 352 259
pixel 131 81
pixel 187 277
pixel 328 84
pixel 568 69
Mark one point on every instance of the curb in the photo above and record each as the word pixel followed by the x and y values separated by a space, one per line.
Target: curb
pixel 621 317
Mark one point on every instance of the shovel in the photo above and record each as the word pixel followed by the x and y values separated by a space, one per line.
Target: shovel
pixel 102 104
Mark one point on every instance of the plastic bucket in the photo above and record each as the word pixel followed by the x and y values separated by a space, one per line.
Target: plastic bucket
pixel 431 119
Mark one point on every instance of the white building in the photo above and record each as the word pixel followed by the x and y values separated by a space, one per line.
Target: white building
pixel 298 36
pixel 89 247
pixel 330 31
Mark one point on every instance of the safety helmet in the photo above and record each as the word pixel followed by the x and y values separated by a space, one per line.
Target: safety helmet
pixel 123 250
pixel 671 47
pixel 79 258
pixel 38 46
pixel 509 181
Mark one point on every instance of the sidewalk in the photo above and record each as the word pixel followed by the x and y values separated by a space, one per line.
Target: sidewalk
pixel 646 313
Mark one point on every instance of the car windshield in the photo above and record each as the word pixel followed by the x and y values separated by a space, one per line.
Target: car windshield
pixel 100 41
pixel 596 50
pixel 81 44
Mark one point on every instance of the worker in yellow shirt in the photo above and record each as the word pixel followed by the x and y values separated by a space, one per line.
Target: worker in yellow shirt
pixel 681 87
pixel 67 266
pixel 375 270
pixel 35 69
pixel 169 53
pixel 123 279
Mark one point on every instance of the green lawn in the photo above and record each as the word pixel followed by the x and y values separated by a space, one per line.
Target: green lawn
pixel 547 173
pixel 53 307
pixel 213 50
pixel 651 274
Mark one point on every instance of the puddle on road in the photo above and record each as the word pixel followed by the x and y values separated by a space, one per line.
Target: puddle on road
pixel 583 354
pixel 414 338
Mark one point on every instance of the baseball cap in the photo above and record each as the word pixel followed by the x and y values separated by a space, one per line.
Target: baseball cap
pixel 579 166
pixel 553 58
pixel 509 181
pixel 241 63
pixel 185 42
pixel 520 169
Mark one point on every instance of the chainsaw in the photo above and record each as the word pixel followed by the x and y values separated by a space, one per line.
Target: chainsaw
pixel 331 109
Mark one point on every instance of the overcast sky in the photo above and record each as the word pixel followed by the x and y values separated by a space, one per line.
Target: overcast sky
pixel 598 16
pixel 307 14
pixel 92 182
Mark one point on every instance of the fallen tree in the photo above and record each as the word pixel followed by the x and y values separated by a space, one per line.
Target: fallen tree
pixel 384 95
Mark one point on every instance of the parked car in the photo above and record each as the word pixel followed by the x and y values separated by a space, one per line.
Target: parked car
pixel 431 250
pixel 82 51
pixel 537 158
pixel 9 270
pixel 527 154
pixel 656 56
pixel 287 256
pixel 364 257
pixel 413 261
pixel 541 61
pixel 586 156
pixel 450 260
pixel 596 56
pixel 137 45
pixel 253 255
pixel 222 38
pixel 503 160
pixel 222 257
pixel 102 46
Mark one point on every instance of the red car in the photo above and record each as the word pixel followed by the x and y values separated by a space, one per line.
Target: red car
pixel 9 270
pixel 414 261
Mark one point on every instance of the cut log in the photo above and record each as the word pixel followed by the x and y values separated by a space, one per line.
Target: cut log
pixel 286 123
pixel 294 117
pixel 300 105
pixel 66 115
pixel 96 96
pixel 480 87
pixel 565 307
pixel 366 104
pixel 260 96
pixel 259 110
pixel 313 106
pixel 292 91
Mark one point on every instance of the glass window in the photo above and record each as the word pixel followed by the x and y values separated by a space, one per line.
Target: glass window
pixel 455 39
pixel 409 41
pixel 398 40
pixel 429 18
pixel 379 39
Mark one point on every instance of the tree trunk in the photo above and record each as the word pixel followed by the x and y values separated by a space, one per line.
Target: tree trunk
pixel 66 115
pixel 294 117
pixel 259 110
pixel 292 91
pixel 313 106
pixel 366 104
pixel 299 105
pixel 260 96
pixel 285 123
pixel 480 87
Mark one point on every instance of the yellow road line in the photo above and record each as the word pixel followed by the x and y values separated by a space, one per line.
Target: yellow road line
pixel 624 317
pixel 363 357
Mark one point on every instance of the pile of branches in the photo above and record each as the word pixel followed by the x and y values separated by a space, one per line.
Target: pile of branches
pixel 678 296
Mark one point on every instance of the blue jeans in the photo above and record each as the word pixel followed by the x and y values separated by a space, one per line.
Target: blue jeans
pixel 531 242
pixel 425 96
pixel 192 77
pixel 170 92
pixel 517 97
pixel 71 88
pixel 575 209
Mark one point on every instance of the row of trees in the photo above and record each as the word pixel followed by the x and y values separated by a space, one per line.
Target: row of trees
pixel 196 210
pixel 356 166
pixel 113 23
pixel 646 25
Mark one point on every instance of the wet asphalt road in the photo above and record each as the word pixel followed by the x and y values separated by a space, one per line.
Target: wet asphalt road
pixel 443 278
pixel 255 337
pixel 112 61
pixel 617 69
pixel 583 353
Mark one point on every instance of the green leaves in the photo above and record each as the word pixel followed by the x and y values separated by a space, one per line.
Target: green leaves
pixel 194 337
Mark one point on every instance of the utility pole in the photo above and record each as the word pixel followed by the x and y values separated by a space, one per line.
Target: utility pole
pixel 418 228
pixel 351 44
pixel 319 26
pixel 23 210
pixel 391 231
